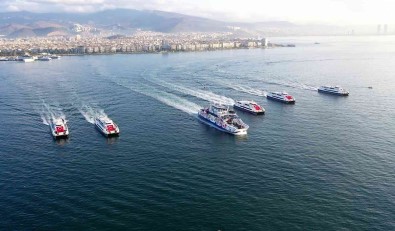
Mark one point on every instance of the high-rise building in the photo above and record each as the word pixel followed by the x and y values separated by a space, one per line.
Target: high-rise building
pixel 385 28
pixel 379 29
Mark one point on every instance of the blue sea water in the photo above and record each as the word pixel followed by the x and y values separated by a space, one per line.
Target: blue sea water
pixel 325 163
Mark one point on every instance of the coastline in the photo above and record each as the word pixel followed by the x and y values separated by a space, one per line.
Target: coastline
pixel 138 44
pixel 6 57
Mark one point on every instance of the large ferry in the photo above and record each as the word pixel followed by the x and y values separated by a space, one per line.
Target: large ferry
pixel 334 90
pixel 106 126
pixel 26 59
pixel 249 106
pixel 59 128
pixel 223 118
pixel 282 97
pixel 44 58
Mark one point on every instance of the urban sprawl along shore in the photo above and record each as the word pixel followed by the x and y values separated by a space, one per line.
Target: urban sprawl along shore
pixel 140 42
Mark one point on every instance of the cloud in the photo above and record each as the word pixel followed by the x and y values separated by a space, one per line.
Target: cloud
pixel 69 2
pixel 90 5
pixel 301 11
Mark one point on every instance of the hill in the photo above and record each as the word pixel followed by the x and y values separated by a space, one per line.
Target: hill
pixel 126 21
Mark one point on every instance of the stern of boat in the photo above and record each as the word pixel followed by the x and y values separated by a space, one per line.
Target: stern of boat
pixel 240 132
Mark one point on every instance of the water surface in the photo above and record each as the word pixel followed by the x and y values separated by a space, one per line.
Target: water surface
pixel 325 163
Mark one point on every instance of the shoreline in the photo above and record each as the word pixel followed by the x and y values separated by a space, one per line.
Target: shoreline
pixel 5 57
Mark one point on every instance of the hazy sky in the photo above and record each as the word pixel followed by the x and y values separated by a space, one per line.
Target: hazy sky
pixel 339 12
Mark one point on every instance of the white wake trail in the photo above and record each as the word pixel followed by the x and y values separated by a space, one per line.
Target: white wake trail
pixel 202 94
pixel 49 113
pixel 164 97
pixel 291 84
pixel 90 112
pixel 248 90
pixel 308 87
pixel 87 109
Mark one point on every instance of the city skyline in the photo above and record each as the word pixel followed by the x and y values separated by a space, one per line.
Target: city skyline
pixel 331 12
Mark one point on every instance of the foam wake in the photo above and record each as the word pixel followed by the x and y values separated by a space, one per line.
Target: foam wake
pixel 286 83
pixel 248 90
pixel 308 87
pixel 291 84
pixel 90 112
pixel 202 94
pixel 164 97
pixel 49 113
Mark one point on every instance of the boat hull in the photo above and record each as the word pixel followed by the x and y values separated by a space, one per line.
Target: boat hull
pixel 249 111
pixel 280 100
pixel 61 135
pixel 64 136
pixel 214 125
pixel 105 133
pixel 27 60
pixel 333 93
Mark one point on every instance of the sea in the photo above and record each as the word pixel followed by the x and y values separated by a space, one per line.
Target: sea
pixel 325 163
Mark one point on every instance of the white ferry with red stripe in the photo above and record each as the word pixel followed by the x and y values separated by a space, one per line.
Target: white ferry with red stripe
pixel 223 118
pixel 281 97
pixel 59 128
pixel 249 106
pixel 106 126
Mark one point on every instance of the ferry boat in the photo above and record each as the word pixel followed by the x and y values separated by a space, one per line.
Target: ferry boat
pixel 44 58
pixel 282 97
pixel 334 90
pixel 26 59
pixel 249 106
pixel 223 118
pixel 106 126
pixel 55 57
pixel 59 128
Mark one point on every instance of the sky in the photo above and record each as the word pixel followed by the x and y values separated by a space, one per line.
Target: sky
pixel 330 12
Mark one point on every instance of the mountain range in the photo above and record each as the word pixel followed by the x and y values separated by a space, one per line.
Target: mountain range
pixel 125 21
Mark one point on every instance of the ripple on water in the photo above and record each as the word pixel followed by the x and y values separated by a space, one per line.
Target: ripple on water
pixel 324 163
